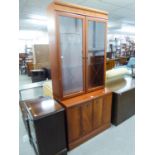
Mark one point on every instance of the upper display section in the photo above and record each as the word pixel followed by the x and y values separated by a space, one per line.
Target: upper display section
pixel 77 42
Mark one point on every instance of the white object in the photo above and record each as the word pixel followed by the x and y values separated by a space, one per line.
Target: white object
pixel 116 73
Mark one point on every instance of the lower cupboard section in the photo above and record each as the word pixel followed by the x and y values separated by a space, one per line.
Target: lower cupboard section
pixel 87 119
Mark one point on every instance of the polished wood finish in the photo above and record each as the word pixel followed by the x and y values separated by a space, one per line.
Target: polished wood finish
pixel 46 126
pixel 77 9
pixel 84 98
pixel 42 107
pixel 87 116
pixel 88 136
pixel 98 112
pixel 107 104
pixel 74 114
pixel 86 112
pixel 110 64
pixel 54 55
pixel 55 10
pixel 85 109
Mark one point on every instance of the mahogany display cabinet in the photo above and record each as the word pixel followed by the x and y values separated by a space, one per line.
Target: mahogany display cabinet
pixel 78 63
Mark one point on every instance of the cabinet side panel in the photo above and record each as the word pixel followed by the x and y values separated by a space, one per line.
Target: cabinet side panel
pixel 55 73
pixel 50 133
pixel 73 123
pixel 107 103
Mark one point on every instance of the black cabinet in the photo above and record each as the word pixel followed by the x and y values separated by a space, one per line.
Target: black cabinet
pixel 123 106
pixel 123 98
pixel 38 75
pixel 46 121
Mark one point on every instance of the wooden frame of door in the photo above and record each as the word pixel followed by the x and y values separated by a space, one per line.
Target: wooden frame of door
pixel 105 42
pixel 61 13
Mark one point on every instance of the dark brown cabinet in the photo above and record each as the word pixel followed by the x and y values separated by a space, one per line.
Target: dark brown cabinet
pixel 46 126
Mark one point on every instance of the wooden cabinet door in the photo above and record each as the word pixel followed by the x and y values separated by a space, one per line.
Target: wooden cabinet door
pixel 95 52
pixel 71 35
pixel 98 112
pixel 86 113
pixel 74 123
pixel 107 102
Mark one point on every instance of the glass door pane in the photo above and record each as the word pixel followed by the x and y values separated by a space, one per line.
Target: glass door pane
pixel 95 53
pixel 71 48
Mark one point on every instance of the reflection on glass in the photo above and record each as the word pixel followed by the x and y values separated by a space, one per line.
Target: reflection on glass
pixel 96 31
pixel 71 54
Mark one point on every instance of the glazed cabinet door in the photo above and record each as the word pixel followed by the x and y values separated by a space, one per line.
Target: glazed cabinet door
pixel 71 51
pixel 87 117
pixel 95 52
pixel 74 123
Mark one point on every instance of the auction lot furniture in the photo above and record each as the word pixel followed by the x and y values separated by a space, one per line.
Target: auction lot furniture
pixel 38 75
pixel 78 63
pixel 30 67
pixel 123 101
pixel 41 56
pixel 110 64
pixel 45 122
pixel 87 115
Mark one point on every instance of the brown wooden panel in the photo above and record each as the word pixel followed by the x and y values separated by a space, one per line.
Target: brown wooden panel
pixel 110 64
pixel 123 61
pixel 72 8
pixel 98 112
pixel 88 136
pixel 84 98
pixel 107 102
pixel 54 55
pixel 29 67
pixel 74 123
pixel 86 111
